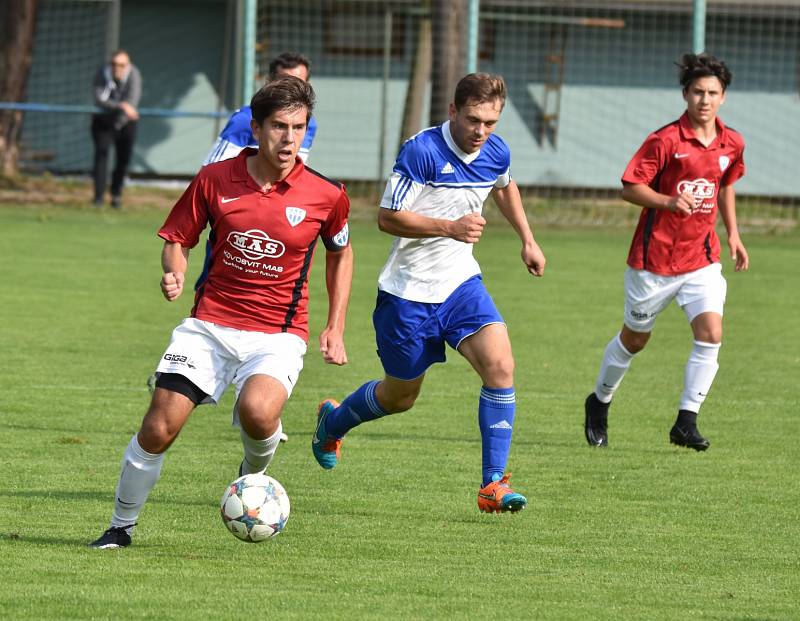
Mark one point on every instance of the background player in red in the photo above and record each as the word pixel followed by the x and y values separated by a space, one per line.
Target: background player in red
pixel 248 326
pixel 681 175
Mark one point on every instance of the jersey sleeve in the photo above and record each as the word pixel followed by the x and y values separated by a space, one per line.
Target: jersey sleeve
pixel 335 232
pixel 413 168
pixel 189 216
pixel 503 157
pixel 735 171
pixel 647 163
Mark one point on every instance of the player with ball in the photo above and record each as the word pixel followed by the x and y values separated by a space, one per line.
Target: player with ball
pixel 249 323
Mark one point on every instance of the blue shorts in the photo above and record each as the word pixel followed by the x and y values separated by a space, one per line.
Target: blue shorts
pixel 411 335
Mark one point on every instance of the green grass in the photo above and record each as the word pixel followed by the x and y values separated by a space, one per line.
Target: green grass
pixel 642 530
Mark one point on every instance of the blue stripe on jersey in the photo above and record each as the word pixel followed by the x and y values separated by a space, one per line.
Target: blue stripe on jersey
pixel 488 184
pixel 402 189
pixel 427 159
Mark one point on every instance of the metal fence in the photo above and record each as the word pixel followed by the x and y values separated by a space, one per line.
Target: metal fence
pixel 587 80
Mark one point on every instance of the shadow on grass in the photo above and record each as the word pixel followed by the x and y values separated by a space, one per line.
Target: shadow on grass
pixel 104 496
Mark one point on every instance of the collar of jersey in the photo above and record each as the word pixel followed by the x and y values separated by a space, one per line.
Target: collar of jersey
pixel 687 131
pixel 467 158
pixel 239 170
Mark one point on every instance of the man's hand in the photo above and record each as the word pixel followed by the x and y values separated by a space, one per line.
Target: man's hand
pixel 467 229
pixel 172 285
pixel 533 258
pixel 738 253
pixel 331 344
pixel 131 112
pixel 683 203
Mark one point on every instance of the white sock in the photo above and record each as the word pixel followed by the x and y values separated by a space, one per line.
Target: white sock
pixel 139 473
pixel 699 375
pixel 258 453
pixel 616 360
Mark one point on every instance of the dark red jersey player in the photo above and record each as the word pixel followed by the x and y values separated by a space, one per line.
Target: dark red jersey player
pixel 672 161
pixel 262 242
pixel 682 176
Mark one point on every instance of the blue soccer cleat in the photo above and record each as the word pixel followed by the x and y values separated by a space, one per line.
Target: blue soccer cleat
pixel 326 449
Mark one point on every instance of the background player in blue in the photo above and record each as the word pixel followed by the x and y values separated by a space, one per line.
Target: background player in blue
pixel 237 133
pixel 430 290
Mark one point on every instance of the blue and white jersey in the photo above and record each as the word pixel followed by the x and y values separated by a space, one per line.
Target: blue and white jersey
pixel 434 177
pixel 237 134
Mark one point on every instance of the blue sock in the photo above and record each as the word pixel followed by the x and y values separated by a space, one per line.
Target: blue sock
pixel 496 419
pixel 359 407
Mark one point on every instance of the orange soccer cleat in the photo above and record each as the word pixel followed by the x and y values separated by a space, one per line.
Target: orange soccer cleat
pixel 498 497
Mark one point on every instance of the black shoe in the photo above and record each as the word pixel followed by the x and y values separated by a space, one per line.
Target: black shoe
pixel 114 537
pixel 116 202
pixel 596 422
pixel 689 437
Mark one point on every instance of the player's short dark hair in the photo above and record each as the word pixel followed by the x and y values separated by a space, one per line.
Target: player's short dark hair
pixel 478 88
pixel 288 60
pixel 285 93
pixel 694 66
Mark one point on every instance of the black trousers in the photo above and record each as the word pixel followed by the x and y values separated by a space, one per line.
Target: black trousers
pixel 104 135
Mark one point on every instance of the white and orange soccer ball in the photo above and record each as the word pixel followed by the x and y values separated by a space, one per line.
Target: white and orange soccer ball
pixel 254 508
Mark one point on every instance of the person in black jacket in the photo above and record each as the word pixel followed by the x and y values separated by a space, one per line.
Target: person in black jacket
pixel 117 89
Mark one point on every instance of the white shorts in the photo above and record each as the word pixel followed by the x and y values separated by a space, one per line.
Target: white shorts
pixel 214 356
pixel 647 294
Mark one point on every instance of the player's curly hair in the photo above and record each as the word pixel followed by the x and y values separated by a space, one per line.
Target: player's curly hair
pixel 285 93
pixel 694 66
pixel 479 88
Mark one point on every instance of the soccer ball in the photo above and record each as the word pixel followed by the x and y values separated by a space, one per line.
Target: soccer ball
pixel 254 508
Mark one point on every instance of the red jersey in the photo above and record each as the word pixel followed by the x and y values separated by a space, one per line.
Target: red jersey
pixel 262 242
pixel 670 161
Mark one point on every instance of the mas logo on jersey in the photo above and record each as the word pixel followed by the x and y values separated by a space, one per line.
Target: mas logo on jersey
pixel 447 169
pixel 702 190
pixel 341 238
pixel 295 215
pixel 724 162
pixel 256 244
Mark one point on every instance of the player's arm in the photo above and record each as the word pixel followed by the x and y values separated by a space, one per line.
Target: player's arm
pixel 174 260
pixel 727 209
pixel 645 196
pixel 509 202
pixel 404 223
pixel 338 280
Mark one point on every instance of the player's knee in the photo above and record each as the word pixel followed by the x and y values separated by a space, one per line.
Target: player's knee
pixel 157 434
pixel 399 401
pixel 499 372
pixel 257 421
pixel 634 342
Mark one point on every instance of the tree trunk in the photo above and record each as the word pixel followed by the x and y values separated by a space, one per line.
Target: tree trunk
pixel 16 46
pixel 418 81
pixel 449 54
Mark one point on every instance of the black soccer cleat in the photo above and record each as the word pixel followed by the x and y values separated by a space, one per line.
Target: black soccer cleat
pixel 595 424
pixel 114 537
pixel 689 437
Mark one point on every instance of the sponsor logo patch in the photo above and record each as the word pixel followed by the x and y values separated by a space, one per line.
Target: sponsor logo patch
pixel 447 169
pixel 256 244
pixel 703 192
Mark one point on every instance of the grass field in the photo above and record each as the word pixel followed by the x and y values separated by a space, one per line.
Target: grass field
pixel 642 530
